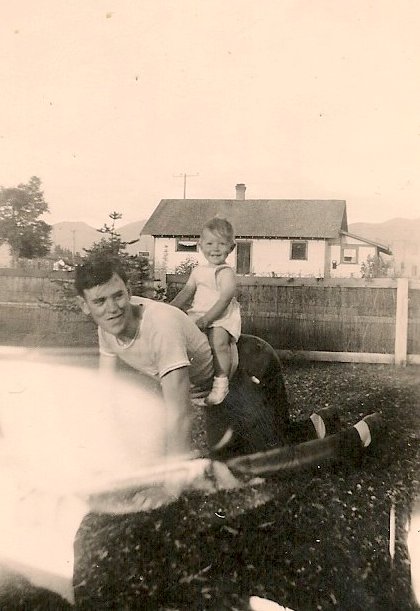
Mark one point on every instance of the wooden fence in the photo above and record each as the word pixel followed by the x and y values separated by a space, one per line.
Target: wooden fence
pixel 25 321
pixel 376 321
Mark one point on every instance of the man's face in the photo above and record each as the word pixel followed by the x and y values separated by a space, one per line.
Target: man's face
pixel 109 306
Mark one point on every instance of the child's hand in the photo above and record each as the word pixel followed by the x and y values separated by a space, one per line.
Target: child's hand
pixel 202 323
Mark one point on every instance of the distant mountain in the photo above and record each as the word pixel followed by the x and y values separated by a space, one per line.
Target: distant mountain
pixel 79 235
pixel 402 236
pixel 389 232
pixel 75 235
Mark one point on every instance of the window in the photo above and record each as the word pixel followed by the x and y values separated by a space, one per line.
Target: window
pixel 143 253
pixel 349 255
pixel 299 251
pixel 243 257
pixel 186 245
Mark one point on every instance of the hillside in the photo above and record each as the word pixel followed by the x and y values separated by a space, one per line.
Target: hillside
pixel 402 235
pixel 73 234
pixel 390 232
pixel 81 235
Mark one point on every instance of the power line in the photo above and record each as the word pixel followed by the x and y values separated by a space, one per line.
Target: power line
pixel 185 176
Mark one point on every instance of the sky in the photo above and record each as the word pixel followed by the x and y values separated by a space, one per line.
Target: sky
pixel 109 102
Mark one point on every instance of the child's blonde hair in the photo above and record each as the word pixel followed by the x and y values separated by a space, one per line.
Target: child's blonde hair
pixel 220 226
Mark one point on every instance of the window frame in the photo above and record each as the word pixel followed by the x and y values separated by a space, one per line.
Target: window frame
pixel 179 247
pixel 299 243
pixel 238 242
pixel 354 247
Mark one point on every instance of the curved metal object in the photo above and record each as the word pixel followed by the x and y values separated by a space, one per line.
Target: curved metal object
pixel 263 438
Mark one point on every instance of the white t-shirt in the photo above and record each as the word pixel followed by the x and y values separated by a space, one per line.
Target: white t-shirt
pixel 166 340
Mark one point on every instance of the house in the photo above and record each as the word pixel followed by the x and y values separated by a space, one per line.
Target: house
pixel 275 237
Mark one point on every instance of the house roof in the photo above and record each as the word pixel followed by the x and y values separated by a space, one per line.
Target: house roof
pixel 269 218
pixel 381 247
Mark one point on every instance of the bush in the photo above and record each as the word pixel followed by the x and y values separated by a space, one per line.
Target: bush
pixel 186 266
pixel 374 267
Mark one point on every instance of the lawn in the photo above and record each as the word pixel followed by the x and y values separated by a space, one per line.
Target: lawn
pixel 315 542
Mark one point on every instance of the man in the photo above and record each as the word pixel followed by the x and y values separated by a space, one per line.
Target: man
pixel 152 337
pixel 161 341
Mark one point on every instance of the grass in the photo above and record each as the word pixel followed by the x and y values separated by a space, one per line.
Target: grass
pixel 314 542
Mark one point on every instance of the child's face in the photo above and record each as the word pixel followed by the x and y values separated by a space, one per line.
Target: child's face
pixel 215 247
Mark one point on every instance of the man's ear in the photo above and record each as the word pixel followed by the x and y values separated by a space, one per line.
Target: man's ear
pixel 83 305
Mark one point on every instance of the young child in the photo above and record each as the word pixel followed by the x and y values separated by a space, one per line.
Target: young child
pixel 214 308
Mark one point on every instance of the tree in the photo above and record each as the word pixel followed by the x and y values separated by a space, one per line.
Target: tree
pixel 111 245
pixel 20 225
pixel 374 267
pixel 63 253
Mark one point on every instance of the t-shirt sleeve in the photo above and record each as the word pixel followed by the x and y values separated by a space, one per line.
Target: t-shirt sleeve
pixel 168 344
pixel 104 347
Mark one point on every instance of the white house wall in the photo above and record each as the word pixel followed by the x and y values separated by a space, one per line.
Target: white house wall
pixel 350 270
pixel 273 257
pixel 267 257
pixel 167 258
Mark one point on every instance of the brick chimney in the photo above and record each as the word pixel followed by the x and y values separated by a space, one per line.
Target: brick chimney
pixel 240 191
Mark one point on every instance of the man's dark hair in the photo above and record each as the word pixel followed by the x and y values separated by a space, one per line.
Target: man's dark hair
pixel 96 272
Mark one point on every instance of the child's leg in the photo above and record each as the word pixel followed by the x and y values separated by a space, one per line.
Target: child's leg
pixel 219 340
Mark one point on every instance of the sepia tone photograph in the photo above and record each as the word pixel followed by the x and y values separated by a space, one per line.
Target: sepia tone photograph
pixel 210 305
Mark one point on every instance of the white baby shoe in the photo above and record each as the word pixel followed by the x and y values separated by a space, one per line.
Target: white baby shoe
pixel 219 391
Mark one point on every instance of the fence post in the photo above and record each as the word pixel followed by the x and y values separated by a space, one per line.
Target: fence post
pixel 401 323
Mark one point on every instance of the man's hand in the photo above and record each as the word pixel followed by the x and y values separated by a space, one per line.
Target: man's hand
pixel 176 394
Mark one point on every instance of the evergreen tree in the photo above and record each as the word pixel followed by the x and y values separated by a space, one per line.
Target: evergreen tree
pixel 111 245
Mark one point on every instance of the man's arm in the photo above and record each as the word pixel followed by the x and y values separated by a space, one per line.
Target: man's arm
pixel 176 394
pixel 184 296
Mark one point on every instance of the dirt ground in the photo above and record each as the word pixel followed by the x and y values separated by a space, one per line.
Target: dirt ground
pixel 315 542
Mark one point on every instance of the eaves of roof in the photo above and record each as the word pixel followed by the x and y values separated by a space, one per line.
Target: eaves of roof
pixel 381 247
pixel 316 219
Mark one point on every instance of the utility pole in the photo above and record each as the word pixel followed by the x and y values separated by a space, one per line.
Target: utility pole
pixel 74 243
pixel 185 176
